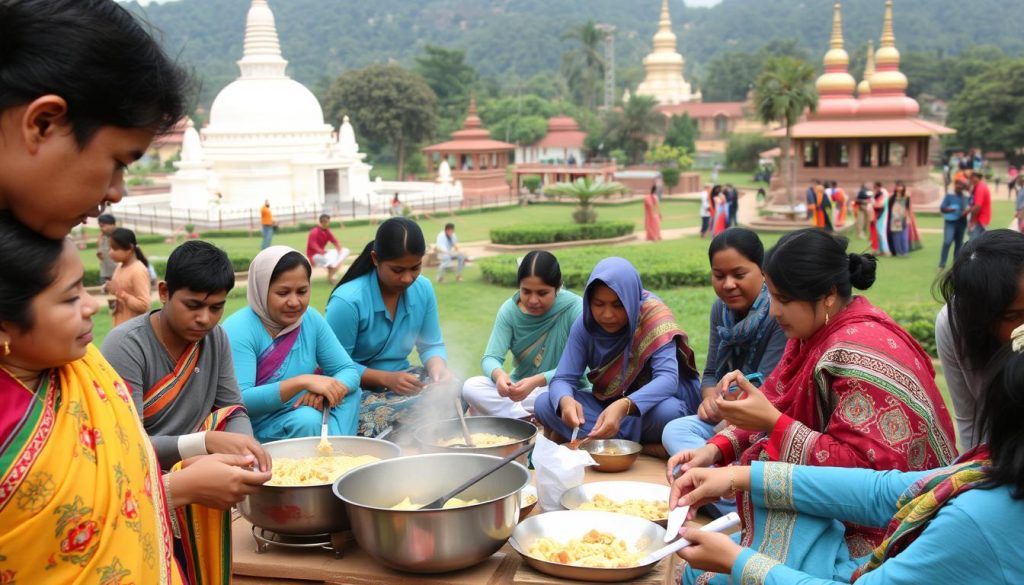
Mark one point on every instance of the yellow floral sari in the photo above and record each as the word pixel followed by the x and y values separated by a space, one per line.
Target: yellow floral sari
pixel 81 496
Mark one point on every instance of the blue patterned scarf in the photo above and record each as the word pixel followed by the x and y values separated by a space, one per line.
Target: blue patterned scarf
pixel 738 341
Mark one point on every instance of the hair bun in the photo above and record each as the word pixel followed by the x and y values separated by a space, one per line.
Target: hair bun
pixel 862 270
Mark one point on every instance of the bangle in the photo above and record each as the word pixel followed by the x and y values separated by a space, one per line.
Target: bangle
pixel 732 481
pixel 629 405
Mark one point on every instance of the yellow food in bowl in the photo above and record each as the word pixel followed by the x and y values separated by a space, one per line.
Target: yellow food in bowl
pixel 595 549
pixel 407 504
pixel 315 470
pixel 480 440
pixel 648 509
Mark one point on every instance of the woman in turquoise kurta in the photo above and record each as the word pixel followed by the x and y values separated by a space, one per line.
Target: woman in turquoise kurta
pixel 289 364
pixel 958 524
pixel 380 310
pixel 534 325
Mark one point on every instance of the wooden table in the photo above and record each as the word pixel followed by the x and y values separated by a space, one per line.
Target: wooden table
pixel 280 566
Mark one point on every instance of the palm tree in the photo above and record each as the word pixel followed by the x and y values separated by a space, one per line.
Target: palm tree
pixel 583 65
pixel 585 190
pixel 630 127
pixel 784 89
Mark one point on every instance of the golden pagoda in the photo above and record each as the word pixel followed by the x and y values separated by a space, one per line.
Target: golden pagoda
pixel 864 87
pixel 835 86
pixel 664 80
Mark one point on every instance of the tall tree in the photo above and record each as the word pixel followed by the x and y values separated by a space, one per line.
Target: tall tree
pixel 783 91
pixel 387 104
pixel 731 75
pixel 989 112
pixel 682 132
pixel 583 65
pixel 446 72
pixel 630 128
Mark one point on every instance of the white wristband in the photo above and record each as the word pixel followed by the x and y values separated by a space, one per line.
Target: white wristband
pixel 192 445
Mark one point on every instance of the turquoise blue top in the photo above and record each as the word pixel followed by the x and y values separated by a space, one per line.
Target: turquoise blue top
pixel 315 347
pixel 362 324
pixel 975 538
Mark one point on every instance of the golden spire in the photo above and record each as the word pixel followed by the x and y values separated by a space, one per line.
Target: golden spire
pixel 837 27
pixel 887 77
pixel 665 39
pixel 836 80
pixel 864 88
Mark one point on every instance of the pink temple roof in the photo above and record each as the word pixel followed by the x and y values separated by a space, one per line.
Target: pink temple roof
pixel 861 128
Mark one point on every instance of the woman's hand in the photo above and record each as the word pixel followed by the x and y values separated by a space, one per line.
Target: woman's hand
pixel 403 383
pixel 237 444
pixel 752 412
pixel 709 551
pixel 217 481
pixel 572 412
pixel 438 370
pixel 610 420
pixel 705 456
pixel 521 389
pixel 311 400
pixel 703 485
pixel 502 382
pixel 708 409
pixel 330 389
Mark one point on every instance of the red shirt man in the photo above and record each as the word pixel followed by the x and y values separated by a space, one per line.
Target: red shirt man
pixel 316 248
pixel 981 211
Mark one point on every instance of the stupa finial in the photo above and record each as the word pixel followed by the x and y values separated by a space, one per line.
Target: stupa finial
pixel 837 27
pixel 888 37
pixel 261 51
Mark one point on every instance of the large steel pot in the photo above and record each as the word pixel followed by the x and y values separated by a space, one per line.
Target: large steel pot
pixel 303 510
pixel 431 541
pixel 429 435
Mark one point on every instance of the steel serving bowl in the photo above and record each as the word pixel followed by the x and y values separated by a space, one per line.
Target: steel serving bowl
pixel 527 501
pixel 429 435
pixel 644 536
pixel 612 455
pixel 575 497
pixel 432 541
pixel 309 509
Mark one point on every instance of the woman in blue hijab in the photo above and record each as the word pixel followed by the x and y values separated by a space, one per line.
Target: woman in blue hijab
pixel 640 365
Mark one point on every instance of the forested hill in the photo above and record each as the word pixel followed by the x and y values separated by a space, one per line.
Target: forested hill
pixel 508 40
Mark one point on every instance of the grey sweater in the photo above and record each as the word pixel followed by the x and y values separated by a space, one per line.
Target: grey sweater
pixel 138 356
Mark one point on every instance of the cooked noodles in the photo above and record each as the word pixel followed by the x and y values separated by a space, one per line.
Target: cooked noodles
pixel 315 470
pixel 407 504
pixel 479 440
pixel 595 549
pixel 649 509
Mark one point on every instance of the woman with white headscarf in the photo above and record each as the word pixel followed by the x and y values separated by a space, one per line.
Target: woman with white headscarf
pixel 288 362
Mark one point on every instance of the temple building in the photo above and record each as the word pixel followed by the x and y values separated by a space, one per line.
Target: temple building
pixel 562 144
pixel 477 161
pixel 664 80
pixel 877 136
pixel 267 139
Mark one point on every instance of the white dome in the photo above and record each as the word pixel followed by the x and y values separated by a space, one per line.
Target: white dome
pixel 261 105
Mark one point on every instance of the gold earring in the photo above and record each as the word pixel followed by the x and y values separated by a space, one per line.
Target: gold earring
pixel 826 318
pixel 7 348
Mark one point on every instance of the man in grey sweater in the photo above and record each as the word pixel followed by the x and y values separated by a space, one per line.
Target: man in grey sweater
pixel 177 361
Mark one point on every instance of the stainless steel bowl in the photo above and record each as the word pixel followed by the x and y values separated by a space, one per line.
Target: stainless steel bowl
pixel 429 435
pixel 431 541
pixel 313 509
pixel 645 537
pixel 575 497
pixel 612 455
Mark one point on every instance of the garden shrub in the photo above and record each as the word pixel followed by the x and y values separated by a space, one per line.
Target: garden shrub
pixel 524 235
pixel 141 239
pixel 657 269
pixel 919 321
pixel 92 275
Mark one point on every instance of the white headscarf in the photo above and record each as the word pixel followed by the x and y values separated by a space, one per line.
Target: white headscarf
pixel 1017 339
pixel 260 270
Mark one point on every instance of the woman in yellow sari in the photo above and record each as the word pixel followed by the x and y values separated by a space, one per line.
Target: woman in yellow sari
pixel 81 496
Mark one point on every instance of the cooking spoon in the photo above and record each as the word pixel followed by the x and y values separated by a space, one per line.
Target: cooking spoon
pixel 324 447
pixel 440 502
pixel 465 429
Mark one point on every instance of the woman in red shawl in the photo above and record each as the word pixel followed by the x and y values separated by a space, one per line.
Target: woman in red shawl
pixel 853 389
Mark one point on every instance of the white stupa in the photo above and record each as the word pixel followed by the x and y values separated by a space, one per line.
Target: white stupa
pixel 664 79
pixel 267 139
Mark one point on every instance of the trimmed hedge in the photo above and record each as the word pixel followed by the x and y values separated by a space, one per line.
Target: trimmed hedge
pixel 525 235
pixel 657 269
pixel 92 275
pixel 141 239
pixel 919 321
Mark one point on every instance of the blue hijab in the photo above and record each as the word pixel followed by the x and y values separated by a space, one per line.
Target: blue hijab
pixel 620 276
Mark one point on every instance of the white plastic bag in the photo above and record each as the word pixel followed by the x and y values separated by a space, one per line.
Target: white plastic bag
pixel 558 469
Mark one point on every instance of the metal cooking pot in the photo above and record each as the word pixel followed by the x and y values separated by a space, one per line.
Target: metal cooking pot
pixel 429 435
pixel 432 541
pixel 313 509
